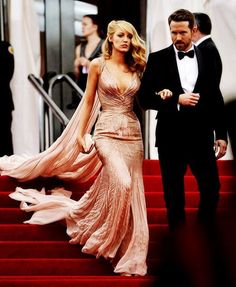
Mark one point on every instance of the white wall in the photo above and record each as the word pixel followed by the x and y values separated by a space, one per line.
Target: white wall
pixel 24 37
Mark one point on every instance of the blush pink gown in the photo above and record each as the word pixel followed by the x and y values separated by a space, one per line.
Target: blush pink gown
pixel 110 220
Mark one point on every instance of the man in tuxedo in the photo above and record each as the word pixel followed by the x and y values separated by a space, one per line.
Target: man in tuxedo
pixel 202 39
pixel 6 102
pixel 179 83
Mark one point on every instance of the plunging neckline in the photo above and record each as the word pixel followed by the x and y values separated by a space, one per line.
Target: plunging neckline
pixel 116 83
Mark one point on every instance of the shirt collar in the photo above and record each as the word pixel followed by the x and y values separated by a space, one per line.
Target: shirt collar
pixel 202 39
pixel 176 51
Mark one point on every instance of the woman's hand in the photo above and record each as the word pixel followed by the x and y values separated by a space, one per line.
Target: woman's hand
pixel 81 62
pixel 84 62
pixel 86 143
pixel 81 143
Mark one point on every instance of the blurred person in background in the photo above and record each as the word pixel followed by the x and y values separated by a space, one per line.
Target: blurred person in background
pixel 202 39
pixel 85 52
pixel 6 101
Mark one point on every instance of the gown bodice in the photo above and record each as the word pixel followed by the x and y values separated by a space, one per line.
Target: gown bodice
pixel 110 96
pixel 117 117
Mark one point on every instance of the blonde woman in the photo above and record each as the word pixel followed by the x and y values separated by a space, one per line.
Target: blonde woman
pixel 110 220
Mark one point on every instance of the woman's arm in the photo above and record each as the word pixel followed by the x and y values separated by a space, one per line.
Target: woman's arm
pixel 77 60
pixel 89 96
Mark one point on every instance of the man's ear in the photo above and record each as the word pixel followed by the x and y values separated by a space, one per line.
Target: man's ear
pixel 195 28
pixel 195 34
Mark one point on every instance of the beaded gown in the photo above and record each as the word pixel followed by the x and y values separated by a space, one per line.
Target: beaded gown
pixel 110 219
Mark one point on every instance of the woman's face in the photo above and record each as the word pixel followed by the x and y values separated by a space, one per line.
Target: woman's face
pixel 121 40
pixel 88 28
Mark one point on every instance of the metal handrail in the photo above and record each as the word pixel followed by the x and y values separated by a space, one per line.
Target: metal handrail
pixel 66 78
pixel 55 109
pixel 52 82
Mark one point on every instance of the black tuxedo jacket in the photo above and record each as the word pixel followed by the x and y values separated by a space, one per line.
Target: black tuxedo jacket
pixel 6 73
pixel 194 126
pixel 210 50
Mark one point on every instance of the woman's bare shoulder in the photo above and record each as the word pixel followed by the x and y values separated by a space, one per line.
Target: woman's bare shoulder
pixel 97 63
pixel 77 50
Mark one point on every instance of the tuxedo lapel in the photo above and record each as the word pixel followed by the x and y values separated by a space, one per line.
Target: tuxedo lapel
pixel 174 72
pixel 200 69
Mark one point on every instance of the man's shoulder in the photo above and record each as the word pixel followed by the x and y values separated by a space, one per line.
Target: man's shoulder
pixel 208 43
pixel 209 48
pixel 162 52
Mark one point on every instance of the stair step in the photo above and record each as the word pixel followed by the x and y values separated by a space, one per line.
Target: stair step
pixel 77 281
pixel 154 215
pixel 47 266
pixel 153 199
pixel 8 183
pixel 153 183
pixel 152 179
pixel 56 232
pixel 17 216
pixel 32 232
pixel 225 167
pixel 53 249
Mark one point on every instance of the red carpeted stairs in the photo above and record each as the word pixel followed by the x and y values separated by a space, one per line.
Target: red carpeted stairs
pixel 33 255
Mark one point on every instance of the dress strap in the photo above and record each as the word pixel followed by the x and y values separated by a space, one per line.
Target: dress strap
pixel 102 63
pixel 97 50
pixel 82 48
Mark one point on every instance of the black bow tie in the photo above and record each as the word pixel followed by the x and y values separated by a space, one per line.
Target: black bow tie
pixel 181 55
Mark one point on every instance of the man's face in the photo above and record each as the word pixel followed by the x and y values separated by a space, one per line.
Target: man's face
pixel 181 35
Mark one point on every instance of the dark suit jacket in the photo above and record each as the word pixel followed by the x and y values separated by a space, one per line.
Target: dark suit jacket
pixel 209 48
pixel 194 126
pixel 6 73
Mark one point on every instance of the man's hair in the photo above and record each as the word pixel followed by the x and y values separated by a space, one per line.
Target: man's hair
pixel 182 15
pixel 96 20
pixel 203 22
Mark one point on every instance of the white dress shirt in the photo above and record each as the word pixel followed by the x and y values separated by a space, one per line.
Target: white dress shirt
pixel 188 71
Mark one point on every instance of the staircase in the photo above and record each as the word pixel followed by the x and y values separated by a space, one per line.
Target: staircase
pixel 33 255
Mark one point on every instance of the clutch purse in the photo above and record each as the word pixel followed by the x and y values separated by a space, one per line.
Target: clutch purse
pixel 89 143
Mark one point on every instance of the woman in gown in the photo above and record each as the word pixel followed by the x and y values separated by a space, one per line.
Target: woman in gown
pixel 110 219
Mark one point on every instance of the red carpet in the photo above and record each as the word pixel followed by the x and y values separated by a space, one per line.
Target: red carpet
pixel 34 255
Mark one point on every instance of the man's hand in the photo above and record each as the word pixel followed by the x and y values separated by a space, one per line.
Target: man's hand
pixel 189 99
pixel 220 148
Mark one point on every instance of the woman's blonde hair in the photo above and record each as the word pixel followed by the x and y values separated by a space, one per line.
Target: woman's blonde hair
pixel 136 57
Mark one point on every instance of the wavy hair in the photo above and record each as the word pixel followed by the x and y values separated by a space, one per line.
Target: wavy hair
pixel 182 15
pixel 136 56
